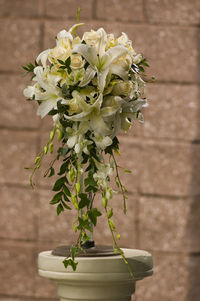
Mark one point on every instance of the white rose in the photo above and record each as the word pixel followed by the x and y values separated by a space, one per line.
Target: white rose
pixel 91 37
pixel 125 61
pixel 73 106
pixel 60 53
pixel 76 61
pixel 123 88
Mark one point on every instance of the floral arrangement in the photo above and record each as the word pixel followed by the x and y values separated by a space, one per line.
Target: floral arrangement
pixel 92 87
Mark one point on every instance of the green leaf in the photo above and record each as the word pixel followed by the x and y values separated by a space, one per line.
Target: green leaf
pixel 70 262
pixel 66 206
pixel 53 112
pixel 85 201
pixel 52 172
pixel 61 107
pixel 59 209
pixel 63 168
pixel 141 69
pixel 62 151
pixel 93 214
pixel 59 184
pixel 84 224
pixel 144 63
pixel 66 198
pixel 91 188
pixel 113 146
pixel 30 67
pixel 73 251
pixel 66 190
pixel 56 199
pixel 90 182
pixel 67 64
pixel 61 62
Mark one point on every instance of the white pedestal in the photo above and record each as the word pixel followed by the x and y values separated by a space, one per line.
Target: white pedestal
pixel 96 278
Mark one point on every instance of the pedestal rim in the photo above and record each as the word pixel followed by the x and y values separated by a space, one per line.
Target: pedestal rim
pixel 51 266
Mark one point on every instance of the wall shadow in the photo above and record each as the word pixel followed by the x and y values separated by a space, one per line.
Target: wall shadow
pixel 193 223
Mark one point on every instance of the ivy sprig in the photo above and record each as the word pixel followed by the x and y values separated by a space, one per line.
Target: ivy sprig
pixel 65 65
pixel 29 68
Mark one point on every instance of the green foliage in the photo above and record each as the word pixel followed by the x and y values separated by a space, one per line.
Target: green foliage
pixel 29 68
pixel 65 64
pixel 93 214
pixel 59 184
pixel 84 200
pixel 70 262
pixel 114 146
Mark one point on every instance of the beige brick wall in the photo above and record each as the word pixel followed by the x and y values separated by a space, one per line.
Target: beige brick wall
pixel 164 153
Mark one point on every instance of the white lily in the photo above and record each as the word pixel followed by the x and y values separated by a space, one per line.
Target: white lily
pixel 45 90
pixel 43 56
pixel 90 113
pixel 63 40
pixel 99 59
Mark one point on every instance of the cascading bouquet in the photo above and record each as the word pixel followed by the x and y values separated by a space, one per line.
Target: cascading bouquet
pixel 92 88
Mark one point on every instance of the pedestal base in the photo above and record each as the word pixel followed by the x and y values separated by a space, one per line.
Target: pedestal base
pixel 97 278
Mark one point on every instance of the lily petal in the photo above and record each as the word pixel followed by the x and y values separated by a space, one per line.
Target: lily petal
pixel 78 117
pixel 98 125
pixel 112 54
pixel 39 77
pixel 81 102
pixel 45 107
pixel 138 104
pixel 43 56
pixel 125 123
pixel 109 111
pixel 88 52
pixel 89 74
pixel 63 34
pixel 101 78
pixel 119 70
pixel 101 44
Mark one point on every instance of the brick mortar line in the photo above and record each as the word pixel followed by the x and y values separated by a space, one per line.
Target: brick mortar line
pixel 22 129
pixel 24 297
pixel 20 240
pixel 52 18
pixel 136 194
pixel 170 197
pixel 18 185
